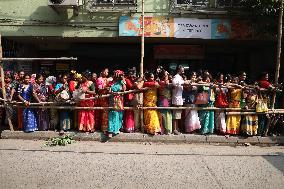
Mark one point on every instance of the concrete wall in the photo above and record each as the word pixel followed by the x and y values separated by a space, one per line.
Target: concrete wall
pixel 29 18
pixel 36 18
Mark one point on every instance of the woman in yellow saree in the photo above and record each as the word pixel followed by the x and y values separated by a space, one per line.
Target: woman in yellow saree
pixel 151 118
pixel 233 122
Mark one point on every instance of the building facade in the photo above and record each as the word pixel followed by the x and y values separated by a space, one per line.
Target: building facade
pixel 218 35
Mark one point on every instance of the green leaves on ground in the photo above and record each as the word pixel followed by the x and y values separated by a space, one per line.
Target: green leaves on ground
pixel 60 141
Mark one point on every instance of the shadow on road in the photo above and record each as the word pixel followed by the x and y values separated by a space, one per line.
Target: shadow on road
pixel 277 161
pixel 274 159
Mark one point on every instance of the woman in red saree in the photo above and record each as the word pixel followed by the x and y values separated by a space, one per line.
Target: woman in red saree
pixel 129 122
pixel 96 103
pixel 86 119
pixel 74 78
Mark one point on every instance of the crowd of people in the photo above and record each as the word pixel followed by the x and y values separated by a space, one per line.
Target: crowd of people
pixel 158 89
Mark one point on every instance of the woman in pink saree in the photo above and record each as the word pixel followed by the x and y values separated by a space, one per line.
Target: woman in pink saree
pixel 103 88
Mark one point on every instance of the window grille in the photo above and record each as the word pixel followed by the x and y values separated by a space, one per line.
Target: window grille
pixel 192 3
pixel 111 5
pixel 114 2
pixel 229 3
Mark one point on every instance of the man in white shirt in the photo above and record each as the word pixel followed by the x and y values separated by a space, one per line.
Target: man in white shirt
pixel 177 99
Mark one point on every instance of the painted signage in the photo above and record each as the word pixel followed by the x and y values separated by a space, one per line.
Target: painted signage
pixel 186 28
pixel 192 28
pixel 220 29
pixel 178 52
pixel 154 26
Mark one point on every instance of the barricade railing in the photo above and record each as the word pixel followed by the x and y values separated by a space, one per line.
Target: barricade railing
pixel 71 104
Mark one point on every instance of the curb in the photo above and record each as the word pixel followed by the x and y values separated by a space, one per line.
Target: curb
pixel 141 137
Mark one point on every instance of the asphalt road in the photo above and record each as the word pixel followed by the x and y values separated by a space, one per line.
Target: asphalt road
pixel 28 164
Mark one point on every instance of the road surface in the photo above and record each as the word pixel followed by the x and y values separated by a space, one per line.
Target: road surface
pixel 28 164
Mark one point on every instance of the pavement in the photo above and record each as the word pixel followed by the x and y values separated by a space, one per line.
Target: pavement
pixel 141 137
pixel 90 164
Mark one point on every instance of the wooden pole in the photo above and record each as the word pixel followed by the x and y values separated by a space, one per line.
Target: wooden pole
pixel 140 112
pixel 9 119
pixel 142 41
pixel 1 52
pixel 37 59
pixel 278 61
pixel 2 75
pixel 229 111
pixel 280 111
pixel 2 71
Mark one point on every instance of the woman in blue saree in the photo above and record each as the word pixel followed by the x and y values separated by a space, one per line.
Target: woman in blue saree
pixel 41 91
pixel 115 116
pixel 207 116
pixel 25 93
pixel 62 91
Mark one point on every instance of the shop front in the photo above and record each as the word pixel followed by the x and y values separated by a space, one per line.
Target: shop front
pixel 226 56
pixel 218 45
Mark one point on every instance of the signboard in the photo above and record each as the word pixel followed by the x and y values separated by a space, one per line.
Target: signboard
pixel 192 28
pixel 62 67
pixel 26 67
pixel 47 67
pixel 220 29
pixel 154 26
pixel 178 52
pixel 241 29
pixel 187 28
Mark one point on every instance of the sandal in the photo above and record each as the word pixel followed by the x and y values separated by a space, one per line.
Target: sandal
pixel 61 132
pixel 109 135
pixel 176 132
pixel 92 131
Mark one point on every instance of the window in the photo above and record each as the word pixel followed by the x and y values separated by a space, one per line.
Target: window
pixel 114 2
pixel 125 1
pixel 229 3
pixel 104 1
pixel 193 3
pixel 111 5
